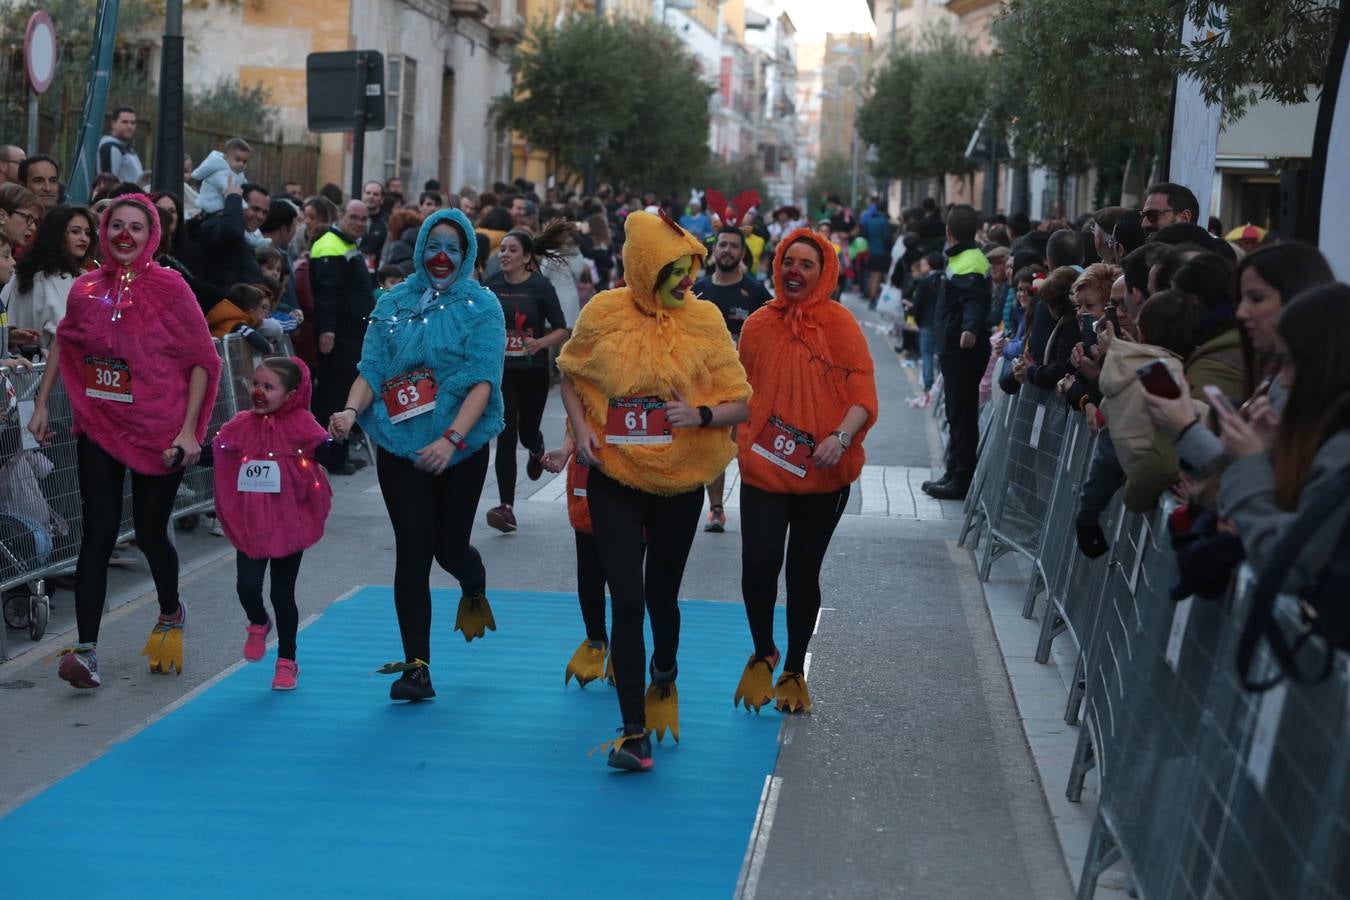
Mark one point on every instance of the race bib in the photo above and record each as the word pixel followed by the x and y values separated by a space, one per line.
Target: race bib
pixel 515 341
pixel 637 420
pixel 786 447
pixel 107 378
pixel 581 476
pixel 259 477
pixel 410 394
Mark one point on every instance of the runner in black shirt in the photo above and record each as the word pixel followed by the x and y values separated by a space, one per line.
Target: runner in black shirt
pixel 737 296
pixel 534 323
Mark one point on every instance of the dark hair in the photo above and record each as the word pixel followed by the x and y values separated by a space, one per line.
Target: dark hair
pixel 484 249
pixel 599 225
pixel 386 272
pixel 431 185
pixel 1137 264
pixel 936 260
pixel 32 161
pixel 280 213
pixel 1210 279
pixel 249 187
pixel 498 218
pixel 165 238
pixel 47 253
pixel 1179 197
pixel 732 229
pixel 1168 264
pixel 963 221
pixel 133 204
pixel 324 207
pixel 103 183
pixel 548 243
pixel 463 238
pixel 1064 248
pixel 117 113
pixel 1019 223
pixel 286 370
pixel 820 254
pixel 1168 320
pixel 245 296
pixel 1028 274
pixel 173 198
pixel 1315 327
pixel 1056 292
pixel 267 254
pixel 1290 267
pixel 1027 257
pixel 998 233
pixel 123 189
pixel 432 195
pixel 273 286
pixel 1180 234
pixel 332 192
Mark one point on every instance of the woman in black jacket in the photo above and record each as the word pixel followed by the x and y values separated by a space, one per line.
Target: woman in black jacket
pixel 1054 331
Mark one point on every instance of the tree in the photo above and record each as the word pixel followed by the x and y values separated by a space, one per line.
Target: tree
pixel 228 108
pixel 833 175
pixel 1267 49
pixel 623 91
pixel 925 103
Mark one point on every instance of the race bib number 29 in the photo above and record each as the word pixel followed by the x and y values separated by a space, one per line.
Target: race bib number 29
pixel 637 420
pixel 106 378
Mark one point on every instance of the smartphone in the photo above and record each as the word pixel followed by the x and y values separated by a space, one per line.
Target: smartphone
pixel 1086 331
pixel 1115 322
pixel 1220 402
pixel 1158 381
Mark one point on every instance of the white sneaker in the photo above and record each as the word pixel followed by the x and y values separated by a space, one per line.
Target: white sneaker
pixel 215 527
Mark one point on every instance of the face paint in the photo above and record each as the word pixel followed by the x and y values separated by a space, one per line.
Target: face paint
pixel 673 290
pixel 442 257
pixel 268 393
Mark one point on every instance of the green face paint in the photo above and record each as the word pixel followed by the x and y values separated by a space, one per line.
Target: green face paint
pixel 676 287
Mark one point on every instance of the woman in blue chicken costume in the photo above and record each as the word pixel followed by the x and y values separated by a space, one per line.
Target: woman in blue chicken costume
pixel 430 398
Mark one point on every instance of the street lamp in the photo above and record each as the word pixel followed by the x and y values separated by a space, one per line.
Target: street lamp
pixel 856 85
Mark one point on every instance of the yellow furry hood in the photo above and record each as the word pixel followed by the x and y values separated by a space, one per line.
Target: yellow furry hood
pixel 625 344
pixel 650 242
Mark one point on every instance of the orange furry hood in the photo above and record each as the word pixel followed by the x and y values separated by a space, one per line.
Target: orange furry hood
pixel 808 363
pixel 625 344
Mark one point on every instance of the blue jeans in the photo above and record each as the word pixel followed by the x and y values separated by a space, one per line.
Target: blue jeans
pixel 926 355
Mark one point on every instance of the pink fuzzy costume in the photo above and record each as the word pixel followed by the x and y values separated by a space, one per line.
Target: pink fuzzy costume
pixel 272 526
pixel 145 316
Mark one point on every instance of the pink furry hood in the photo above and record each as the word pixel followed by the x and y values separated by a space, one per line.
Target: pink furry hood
pixel 270 526
pixel 142 324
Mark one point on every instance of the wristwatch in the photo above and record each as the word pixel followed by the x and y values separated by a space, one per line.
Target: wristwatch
pixel 844 438
pixel 457 439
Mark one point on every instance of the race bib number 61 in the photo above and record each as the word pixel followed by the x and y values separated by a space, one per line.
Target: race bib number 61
pixel 637 420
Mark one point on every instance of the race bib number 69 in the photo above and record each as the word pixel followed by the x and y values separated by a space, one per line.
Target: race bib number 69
pixel 783 445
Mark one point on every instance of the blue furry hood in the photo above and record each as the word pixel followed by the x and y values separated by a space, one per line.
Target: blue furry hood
pixel 419 282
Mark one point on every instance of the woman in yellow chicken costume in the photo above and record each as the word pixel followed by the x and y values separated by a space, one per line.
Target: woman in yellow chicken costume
pixel 652 387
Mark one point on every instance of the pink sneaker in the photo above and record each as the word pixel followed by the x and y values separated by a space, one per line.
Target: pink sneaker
pixel 255 641
pixel 286 675
pixel 79 666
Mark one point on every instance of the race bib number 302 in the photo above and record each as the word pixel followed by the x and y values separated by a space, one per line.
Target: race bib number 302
pixel 259 477
pixel 783 445
pixel 410 394
pixel 107 378
pixel 637 420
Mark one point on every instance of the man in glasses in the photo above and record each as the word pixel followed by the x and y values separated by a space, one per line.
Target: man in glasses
pixel 1166 203
pixel 10 157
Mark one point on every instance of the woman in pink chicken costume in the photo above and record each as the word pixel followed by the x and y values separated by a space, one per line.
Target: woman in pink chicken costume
pixel 140 373
pixel 273 498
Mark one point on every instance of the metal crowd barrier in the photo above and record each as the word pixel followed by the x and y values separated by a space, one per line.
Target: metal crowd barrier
pixel 40 525
pixel 1206 790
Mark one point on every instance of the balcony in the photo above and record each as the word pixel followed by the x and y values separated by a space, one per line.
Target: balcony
pixel 468 9
pixel 507 34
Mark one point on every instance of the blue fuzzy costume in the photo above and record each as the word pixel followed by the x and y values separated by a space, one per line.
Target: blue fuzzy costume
pixel 459 334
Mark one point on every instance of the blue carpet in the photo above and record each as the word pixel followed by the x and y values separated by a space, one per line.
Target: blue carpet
pixel 333 791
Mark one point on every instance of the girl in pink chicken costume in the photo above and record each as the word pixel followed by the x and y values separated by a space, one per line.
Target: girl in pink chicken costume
pixel 272 498
pixel 140 373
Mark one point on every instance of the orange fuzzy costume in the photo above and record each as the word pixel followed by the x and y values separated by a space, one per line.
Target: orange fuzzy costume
pixel 626 344
pixel 808 363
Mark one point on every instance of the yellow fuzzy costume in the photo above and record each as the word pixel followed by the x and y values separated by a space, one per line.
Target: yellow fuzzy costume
pixel 626 344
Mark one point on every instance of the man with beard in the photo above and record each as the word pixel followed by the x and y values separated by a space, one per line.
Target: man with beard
pixel 737 296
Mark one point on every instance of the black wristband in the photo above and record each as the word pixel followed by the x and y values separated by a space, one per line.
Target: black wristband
pixel 351 409
pixel 705 416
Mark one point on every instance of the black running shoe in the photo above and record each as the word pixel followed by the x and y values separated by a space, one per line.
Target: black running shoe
pixel 415 686
pixel 633 755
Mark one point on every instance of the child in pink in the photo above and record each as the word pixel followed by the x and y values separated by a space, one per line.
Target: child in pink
pixel 272 498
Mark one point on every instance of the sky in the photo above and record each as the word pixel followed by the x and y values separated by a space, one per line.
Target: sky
pixel 814 18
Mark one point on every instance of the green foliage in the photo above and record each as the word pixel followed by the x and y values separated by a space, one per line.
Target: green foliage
pixel 1077 82
pixel 226 108
pixel 622 90
pixel 833 175
pixel 925 103
pixel 1266 49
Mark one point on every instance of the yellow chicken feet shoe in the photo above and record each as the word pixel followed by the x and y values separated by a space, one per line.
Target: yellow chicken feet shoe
pixel 790 694
pixel 587 664
pixel 663 704
pixel 474 617
pixel 756 686
pixel 164 647
pixel 630 751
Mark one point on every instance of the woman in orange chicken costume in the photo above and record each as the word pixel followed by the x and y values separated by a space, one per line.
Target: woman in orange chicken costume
pixel 653 385
pixel 815 397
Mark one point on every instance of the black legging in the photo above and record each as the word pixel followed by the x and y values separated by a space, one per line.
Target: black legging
pixel 524 393
pixel 432 517
pixel 620 514
pixel 152 497
pixel 591 587
pixel 806 522
pixel 285 571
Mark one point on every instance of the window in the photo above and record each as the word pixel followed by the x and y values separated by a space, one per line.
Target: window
pixel 400 90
